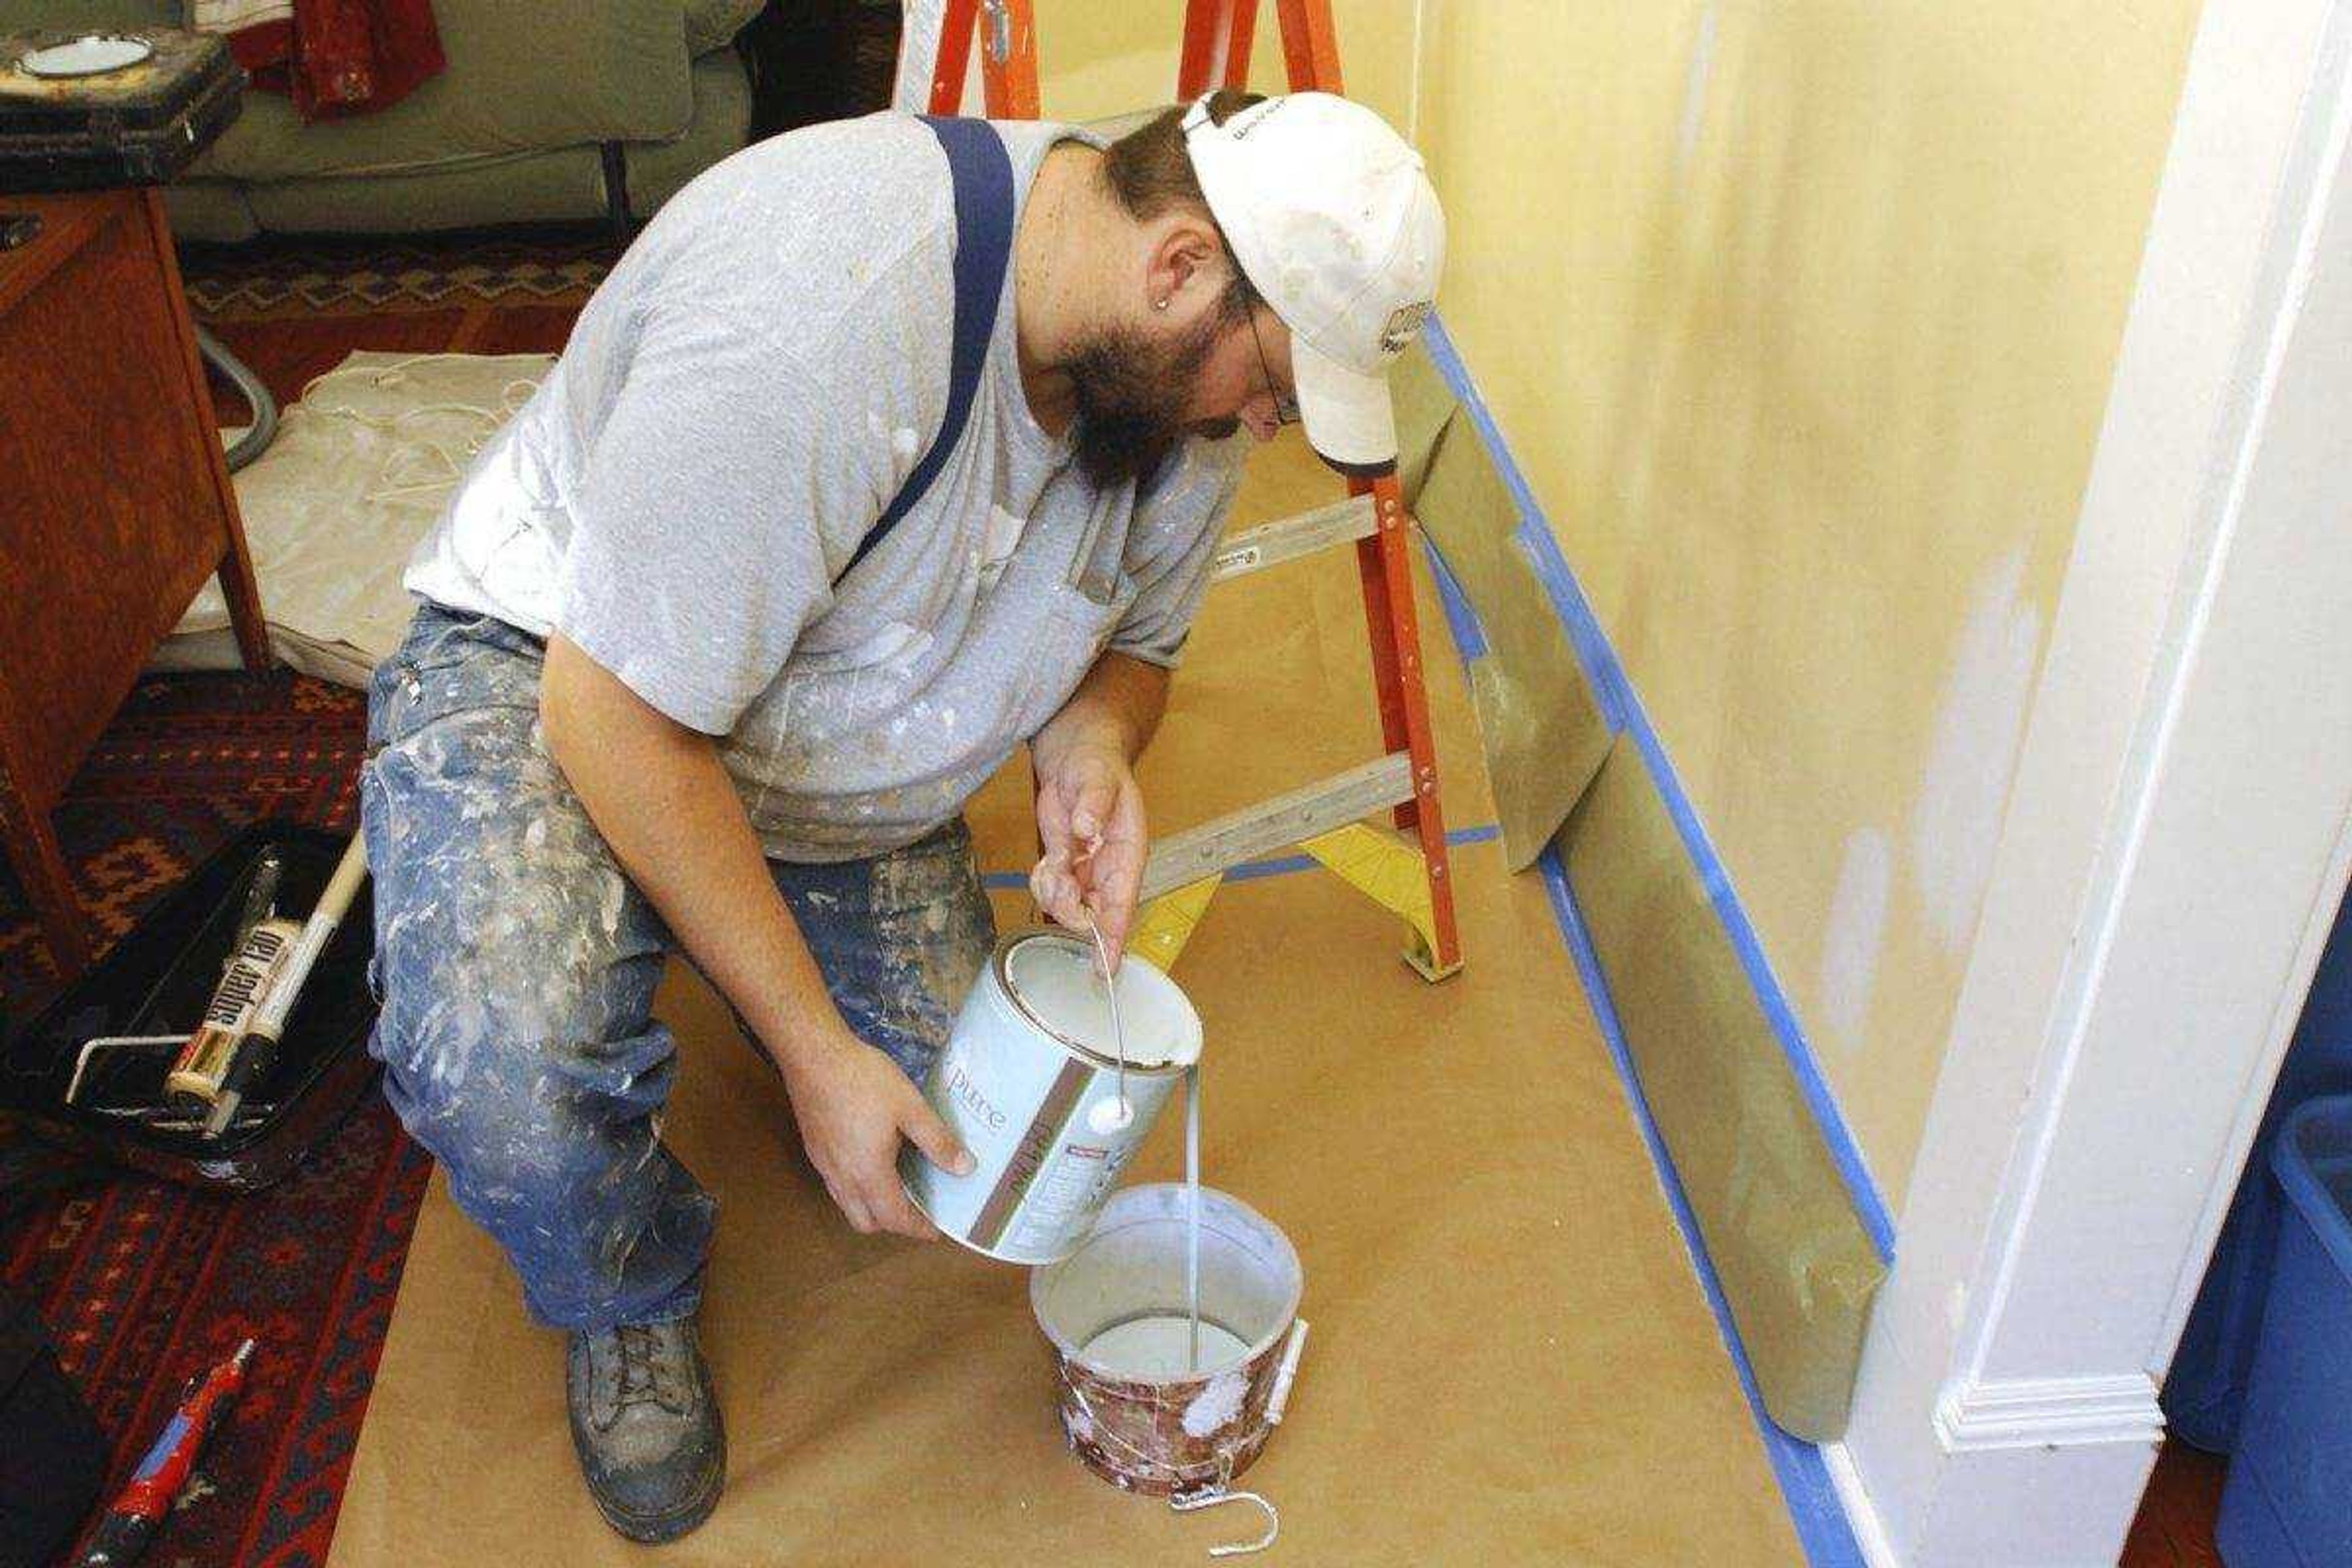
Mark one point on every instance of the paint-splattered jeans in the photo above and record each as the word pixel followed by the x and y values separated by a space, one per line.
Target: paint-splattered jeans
pixel 517 966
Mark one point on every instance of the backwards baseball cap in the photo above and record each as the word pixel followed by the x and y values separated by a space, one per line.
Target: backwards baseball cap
pixel 1336 226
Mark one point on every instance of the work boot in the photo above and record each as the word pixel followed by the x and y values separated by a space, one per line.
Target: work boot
pixel 647 1427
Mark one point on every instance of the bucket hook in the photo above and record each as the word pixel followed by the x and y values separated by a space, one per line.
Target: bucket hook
pixel 1210 1497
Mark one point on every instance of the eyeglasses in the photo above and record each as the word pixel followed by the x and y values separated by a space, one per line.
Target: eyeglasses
pixel 1286 409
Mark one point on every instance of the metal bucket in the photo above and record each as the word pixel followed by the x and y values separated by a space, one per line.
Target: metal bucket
pixel 1139 1427
pixel 1029 1080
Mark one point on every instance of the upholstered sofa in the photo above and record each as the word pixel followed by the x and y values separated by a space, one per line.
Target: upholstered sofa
pixel 549 109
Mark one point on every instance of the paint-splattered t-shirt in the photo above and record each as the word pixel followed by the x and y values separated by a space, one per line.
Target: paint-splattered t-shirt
pixel 737 404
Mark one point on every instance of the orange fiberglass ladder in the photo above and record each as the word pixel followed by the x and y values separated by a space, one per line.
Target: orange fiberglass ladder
pixel 1407 876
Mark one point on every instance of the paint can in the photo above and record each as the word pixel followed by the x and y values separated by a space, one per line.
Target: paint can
pixel 1030 1081
pixel 1131 1411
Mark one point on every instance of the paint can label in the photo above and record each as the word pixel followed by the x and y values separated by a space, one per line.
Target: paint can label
pixel 1023 1101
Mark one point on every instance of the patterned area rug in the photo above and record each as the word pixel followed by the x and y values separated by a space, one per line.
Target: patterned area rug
pixel 146 1285
pixel 272 278
pixel 187 762
pixel 143 1282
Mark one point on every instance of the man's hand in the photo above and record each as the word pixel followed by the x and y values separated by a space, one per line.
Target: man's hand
pixel 854 1105
pixel 1090 821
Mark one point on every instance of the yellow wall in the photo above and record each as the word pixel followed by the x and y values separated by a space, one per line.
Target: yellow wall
pixel 1096 59
pixel 1800 317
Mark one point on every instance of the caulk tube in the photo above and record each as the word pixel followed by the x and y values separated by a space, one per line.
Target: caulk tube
pixel 252 1054
pixel 194 1082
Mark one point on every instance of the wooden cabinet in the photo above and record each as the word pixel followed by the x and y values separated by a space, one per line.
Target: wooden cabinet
pixel 115 505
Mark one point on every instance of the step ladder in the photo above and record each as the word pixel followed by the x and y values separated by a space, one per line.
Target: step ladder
pixel 1407 876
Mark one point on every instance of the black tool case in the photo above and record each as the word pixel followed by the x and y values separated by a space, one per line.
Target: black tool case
pixel 156 981
pixel 140 125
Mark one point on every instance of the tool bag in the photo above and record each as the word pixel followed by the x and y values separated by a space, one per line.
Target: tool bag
pixel 52 1455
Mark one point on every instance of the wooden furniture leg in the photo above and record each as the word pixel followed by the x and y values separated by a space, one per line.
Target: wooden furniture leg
pixel 31 845
pixel 236 579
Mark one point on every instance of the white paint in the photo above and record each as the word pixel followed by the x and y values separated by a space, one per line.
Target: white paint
pixel 1004 529
pixel 1116 1114
pixel 1973 756
pixel 1218 1403
pixel 2177 837
pixel 1853 936
pixel 1413 91
pixel 1193 1207
pixel 891 640
pixel 1156 1348
pixel 1057 981
pixel 1694 82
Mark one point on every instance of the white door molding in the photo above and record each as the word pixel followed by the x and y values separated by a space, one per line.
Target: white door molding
pixel 2177 838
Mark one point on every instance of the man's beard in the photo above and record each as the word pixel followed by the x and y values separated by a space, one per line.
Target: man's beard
pixel 1131 398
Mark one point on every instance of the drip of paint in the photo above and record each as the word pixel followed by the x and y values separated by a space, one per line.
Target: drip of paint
pixel 1118 1114
pixel 1063 987
pixel 1192 1198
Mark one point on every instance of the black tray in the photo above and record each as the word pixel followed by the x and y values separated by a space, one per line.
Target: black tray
pixel 140 125
pixel 176 953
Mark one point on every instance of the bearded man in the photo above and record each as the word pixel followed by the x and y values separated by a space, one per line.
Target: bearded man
pixel 889 447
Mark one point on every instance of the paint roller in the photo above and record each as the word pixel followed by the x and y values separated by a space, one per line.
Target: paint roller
pixel 237 1039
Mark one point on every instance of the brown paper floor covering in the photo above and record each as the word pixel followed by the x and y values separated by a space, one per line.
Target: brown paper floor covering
pixel 1510 1360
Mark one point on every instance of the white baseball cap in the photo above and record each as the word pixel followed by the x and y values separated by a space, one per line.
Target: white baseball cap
pixel 1335 224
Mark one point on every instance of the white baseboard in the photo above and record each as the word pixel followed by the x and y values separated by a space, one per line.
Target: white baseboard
pixel 2049 1412
pixel 1861 1513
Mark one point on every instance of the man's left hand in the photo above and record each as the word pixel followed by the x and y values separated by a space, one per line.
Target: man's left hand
pixel 1090 820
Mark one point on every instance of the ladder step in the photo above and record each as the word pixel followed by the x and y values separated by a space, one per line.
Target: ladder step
pixel 1288 538
pixel 1226 841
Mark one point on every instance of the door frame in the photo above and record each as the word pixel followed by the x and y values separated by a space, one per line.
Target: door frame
pixel 2175 846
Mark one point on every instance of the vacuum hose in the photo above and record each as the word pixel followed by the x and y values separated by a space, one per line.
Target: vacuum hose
pixel 256 439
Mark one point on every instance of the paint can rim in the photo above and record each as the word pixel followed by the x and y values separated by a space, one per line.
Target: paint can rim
pixel 1295 1293
pixel 998 970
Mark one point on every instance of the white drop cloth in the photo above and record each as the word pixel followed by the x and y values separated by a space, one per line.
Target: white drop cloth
pixel 357 474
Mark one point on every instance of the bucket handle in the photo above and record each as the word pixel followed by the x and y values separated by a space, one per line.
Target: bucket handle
pixel 1210 1497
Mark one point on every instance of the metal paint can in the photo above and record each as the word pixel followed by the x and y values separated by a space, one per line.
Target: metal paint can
pixel 1138 1426
pixel 1029 1080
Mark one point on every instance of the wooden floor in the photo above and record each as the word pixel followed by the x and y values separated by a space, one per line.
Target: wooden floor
pixel 2175 1528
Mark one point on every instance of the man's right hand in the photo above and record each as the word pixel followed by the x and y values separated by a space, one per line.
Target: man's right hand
pixel 659 795
pixel 853 1106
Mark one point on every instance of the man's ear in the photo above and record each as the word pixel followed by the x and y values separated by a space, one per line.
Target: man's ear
pixel 1187 266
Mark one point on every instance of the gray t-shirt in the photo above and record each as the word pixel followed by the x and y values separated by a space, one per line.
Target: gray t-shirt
pixel 737 404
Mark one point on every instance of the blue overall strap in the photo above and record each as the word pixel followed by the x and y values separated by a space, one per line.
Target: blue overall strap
pixel 982 173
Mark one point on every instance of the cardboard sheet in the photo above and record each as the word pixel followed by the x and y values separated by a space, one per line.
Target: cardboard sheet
pixel 1425 407
pixel 1510 1361
pixel 1544 737
pixel 1797 1266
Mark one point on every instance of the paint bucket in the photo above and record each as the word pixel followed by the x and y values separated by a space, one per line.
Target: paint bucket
pixel 1131 1411
pixel 1030 1081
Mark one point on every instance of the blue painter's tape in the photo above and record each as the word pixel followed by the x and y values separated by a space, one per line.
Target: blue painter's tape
pixel 1814 1509
pixel 1617 704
